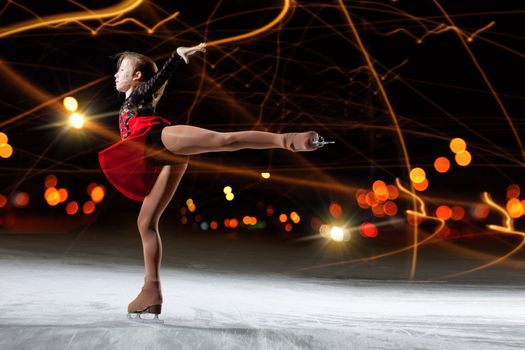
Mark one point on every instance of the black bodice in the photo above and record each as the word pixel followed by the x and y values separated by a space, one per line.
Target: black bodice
pixel 140 102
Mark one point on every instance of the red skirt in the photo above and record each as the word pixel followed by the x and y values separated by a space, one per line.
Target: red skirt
pixel 124 163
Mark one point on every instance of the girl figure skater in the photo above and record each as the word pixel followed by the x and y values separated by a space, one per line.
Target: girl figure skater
pixel 151 158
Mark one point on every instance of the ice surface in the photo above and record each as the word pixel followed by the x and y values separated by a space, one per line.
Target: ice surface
pixel 78 300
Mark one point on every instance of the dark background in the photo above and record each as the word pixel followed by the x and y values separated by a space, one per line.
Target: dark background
pixel 306 74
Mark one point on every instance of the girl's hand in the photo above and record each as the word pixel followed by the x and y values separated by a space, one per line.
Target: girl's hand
pixel 184 52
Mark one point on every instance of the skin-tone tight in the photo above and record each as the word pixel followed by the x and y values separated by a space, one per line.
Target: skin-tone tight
pixel 187 140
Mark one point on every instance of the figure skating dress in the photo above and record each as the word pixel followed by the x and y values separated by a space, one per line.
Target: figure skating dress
pixel 133 164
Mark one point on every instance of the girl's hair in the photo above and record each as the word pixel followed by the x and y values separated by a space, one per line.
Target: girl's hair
pixel 146 66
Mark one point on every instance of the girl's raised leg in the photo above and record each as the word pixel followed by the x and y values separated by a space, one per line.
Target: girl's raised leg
pixel 187 140
pixel 150 298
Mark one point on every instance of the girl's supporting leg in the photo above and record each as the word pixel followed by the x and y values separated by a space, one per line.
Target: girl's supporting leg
pixel 148 223
pixel 187 140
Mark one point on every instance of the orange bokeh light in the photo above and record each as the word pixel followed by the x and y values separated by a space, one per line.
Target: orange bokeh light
pixel 380 189
pixel 335 210
pixel 6 150
pixel 422 186
pixel 3 138
pixel 368 229
pixel 444 212
pixel 72 208
pixel 50 181
pixel 481 211
pixel 3 200
pixel 214 225
pixel 457 145
pixel 390 208
pixel 88 207
pixel 378 210
pixel 418 175
pixel 283 218
pixel 97 194
pixel 458 213
pixel 52 196
pixel 442 164
pixel 90 188
pixel 463 158
pixel 393 192
pixel 295 217
pixel 62 194
pixel 514 208
pixel 21 200
pixel 234 223
pixel 513 191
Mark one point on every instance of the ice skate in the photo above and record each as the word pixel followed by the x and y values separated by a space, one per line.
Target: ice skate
pixel 147 306
pixel 304 141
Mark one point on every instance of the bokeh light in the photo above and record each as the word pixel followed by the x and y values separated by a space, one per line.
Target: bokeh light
pixel 481 211
pixel 76 120
pixel 390 208
pixel 335 210
pixel 52 196
pixel 417 175
pixel 463 158
pixel 3 200
pixel 230 196
pixel 457 145
pixel 265 175
pixel 72 208
pixel 3 138
pixel 21 199
pixel 97 194
pixel 514 208
pixel 88 207
pixel 423 186
pixel 62 194
pixel 295 217
pixel 227 189
pixel 368 230
pixel 71 104
pixel 444 212
pixel 6 150
pixel 458 213
pixel 393 192
pixel 442 165
pixel 283 218
pixel 50 181
pixel 513 191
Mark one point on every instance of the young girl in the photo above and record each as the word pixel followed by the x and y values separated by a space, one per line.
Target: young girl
pixel 149 161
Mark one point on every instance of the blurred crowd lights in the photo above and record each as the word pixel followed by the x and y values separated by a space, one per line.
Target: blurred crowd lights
pixel 380 199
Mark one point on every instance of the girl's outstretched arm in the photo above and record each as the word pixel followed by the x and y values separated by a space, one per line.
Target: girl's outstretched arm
pixel 165 72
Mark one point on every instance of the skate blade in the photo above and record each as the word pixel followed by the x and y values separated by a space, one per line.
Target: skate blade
pixel 322 143
pixel 142 318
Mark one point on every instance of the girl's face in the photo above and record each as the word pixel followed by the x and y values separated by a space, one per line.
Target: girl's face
pixel 125 78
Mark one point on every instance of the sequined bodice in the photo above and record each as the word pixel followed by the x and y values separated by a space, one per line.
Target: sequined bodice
pixel 140 102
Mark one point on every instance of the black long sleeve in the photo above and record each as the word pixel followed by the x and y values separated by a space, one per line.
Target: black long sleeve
pixel 148 88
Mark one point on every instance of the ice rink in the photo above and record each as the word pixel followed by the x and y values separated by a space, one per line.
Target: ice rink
pixel 70 291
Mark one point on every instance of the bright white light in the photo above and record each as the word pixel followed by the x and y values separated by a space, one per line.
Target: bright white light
pixel 337 234
pixel 76 120
pixel 71 104
pixel 265 175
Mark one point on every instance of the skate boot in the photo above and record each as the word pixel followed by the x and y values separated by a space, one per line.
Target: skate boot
pixel 147 303
pixel 304 141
